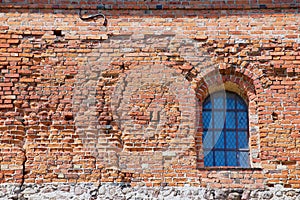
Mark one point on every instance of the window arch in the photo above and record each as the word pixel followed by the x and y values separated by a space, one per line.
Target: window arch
pixel 225 130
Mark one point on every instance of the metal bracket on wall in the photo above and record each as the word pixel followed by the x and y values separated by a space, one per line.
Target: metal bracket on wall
pixel 90 17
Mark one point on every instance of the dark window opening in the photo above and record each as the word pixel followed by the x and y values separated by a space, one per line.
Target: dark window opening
pixel 57 32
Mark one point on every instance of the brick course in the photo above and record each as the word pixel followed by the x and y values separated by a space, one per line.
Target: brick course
pixel 81 102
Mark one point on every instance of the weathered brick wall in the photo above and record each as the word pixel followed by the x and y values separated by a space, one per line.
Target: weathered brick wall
pixel 83 102
pixel 147 4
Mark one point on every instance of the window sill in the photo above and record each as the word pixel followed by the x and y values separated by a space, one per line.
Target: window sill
pixel 229 168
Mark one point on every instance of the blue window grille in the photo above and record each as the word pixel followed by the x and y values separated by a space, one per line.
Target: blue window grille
pixel 225 130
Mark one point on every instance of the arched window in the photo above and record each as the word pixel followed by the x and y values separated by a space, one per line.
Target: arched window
pixel 225 130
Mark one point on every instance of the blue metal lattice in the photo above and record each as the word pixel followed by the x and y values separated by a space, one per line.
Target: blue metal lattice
pixel 225 123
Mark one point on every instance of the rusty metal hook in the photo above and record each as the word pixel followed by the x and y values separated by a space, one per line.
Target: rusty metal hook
pixel 93 17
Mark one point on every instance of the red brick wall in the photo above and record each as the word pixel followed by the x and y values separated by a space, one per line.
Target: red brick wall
pixel 147 4
pixel 122 103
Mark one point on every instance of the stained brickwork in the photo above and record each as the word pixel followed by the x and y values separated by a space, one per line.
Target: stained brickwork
pixel 83 102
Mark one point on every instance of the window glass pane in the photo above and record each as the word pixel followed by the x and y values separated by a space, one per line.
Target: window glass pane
pixel 219 119
pixel 206 119
pixel 242 120
pixel 230 101
pixel 231 139
pixel 230 120
pixel 243 140
pixel 218 101
pixel 231 158
pixel 208 158
pixel 208 140
pixel 241 104
pixel 225 142
pixel 220 158
pixel 219 138
pixel 207 104
pixel 244 159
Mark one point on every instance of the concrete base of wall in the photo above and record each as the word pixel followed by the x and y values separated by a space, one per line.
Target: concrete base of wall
pixel 77 191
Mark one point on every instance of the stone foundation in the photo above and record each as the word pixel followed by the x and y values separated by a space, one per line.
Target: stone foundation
pixel 124 191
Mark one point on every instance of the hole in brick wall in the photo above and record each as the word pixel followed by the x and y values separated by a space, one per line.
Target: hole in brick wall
pixel 69 117
pixel 291 73
pixel 263 6
pixel 69 76
pixel 274 116
pixel 280 72
pixel 57 32
pixel 159 6
pixel 289 162
pixel 287 185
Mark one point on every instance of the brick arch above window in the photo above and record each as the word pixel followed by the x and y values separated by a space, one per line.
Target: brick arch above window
pixel 247 88
pixel 230 80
